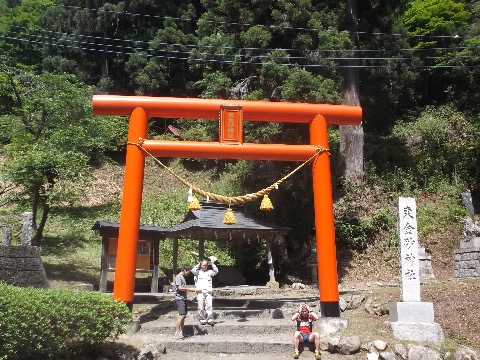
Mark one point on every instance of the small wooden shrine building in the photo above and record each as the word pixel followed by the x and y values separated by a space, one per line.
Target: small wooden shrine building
pixel 147 250
pixel 205 224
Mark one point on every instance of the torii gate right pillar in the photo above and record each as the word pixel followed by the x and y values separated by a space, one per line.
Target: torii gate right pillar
pixel 324 222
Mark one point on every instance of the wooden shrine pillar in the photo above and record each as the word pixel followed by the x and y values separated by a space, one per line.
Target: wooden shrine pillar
pixel 104 265
pixel 156 256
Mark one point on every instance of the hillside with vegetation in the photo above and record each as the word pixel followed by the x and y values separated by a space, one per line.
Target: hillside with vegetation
pixel 411 65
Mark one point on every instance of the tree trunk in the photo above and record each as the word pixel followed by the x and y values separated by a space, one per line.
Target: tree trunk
pixel 351 137
pixel 37 239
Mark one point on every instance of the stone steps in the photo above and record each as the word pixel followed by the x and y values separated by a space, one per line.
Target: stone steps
pixel 226 327
pixel 227 335
pixel 242 325
pixel 232 344
pixel 221 313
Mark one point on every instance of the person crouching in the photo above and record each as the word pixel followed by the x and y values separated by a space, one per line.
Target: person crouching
pixel 304 333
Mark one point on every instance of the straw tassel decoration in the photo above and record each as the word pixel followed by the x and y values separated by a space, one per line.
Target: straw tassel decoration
pixel 229 218
pixel 266 204
pixel 194 204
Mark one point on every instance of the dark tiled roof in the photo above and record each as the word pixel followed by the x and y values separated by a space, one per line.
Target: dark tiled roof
pixel 204 223
pixel 208 221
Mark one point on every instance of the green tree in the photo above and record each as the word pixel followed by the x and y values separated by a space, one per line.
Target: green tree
pixel 382 80
pixel 436 28
pixel 465 75
pixel 427 18
pixel 20 35
pixel 441 143
pixel 52 139
pixel 303 86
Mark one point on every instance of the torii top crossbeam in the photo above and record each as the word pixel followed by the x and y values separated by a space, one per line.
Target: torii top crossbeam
pixel 169 107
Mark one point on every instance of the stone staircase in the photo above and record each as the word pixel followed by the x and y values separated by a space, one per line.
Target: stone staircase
pixel 242 325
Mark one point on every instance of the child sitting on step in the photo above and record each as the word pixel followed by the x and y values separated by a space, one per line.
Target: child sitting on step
pixel 304 333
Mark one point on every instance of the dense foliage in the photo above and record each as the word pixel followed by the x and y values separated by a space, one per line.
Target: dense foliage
pixel 57 323
pixel 50 139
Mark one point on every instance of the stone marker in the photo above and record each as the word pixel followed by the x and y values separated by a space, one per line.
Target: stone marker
pixel 410 266
pixel 27 228
pixel 6 235
pixel 411 319
pixel 467 201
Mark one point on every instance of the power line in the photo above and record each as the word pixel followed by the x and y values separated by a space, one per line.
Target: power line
pixel 190 58
pixel 152 43
pixel 178 52
pixel 257 25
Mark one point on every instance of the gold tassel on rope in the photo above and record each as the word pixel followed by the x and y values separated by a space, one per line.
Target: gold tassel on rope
pixel 194 204
pixel 266 204
pixel 229 218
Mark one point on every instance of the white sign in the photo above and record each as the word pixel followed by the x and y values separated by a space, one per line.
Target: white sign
pixel 407 214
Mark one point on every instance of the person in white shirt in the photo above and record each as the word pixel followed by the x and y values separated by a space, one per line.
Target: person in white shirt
pixel 203 282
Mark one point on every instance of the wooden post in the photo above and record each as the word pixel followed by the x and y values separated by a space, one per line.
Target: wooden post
pixel 201 247
pixel 104 265
pixel 271 269
pixel 175 259
pixel 156 251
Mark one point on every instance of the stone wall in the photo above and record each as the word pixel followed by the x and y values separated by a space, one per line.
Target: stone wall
pixel 467 258
pixel 22 265
pixel 467 263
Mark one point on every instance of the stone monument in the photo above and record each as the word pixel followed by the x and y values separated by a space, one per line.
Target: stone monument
pixel 411 319
pixel 467 257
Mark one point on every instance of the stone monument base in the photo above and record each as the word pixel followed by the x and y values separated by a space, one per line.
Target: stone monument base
pixel 414 321
pixel 420 332
pixel 22 265
pixel 412 311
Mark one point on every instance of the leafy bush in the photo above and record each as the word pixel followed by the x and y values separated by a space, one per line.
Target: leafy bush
pixel 56 323
pixel 440 143
pixel 363 216
pixel 358 232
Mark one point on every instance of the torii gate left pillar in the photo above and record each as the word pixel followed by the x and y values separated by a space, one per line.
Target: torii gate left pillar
pixel 140 108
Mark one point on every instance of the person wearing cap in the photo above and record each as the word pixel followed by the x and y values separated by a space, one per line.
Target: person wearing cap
pixel 304 318
pixel 203 282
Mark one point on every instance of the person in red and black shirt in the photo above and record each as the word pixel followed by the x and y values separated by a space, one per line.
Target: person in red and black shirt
pixel 304 333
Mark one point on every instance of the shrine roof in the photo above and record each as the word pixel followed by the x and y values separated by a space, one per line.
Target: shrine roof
pixel 208 221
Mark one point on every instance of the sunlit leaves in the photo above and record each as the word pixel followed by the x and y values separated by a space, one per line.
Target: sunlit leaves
pixel 302 86
pixel 434 17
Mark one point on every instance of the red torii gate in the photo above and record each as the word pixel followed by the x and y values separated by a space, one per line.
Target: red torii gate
pixel 230 146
